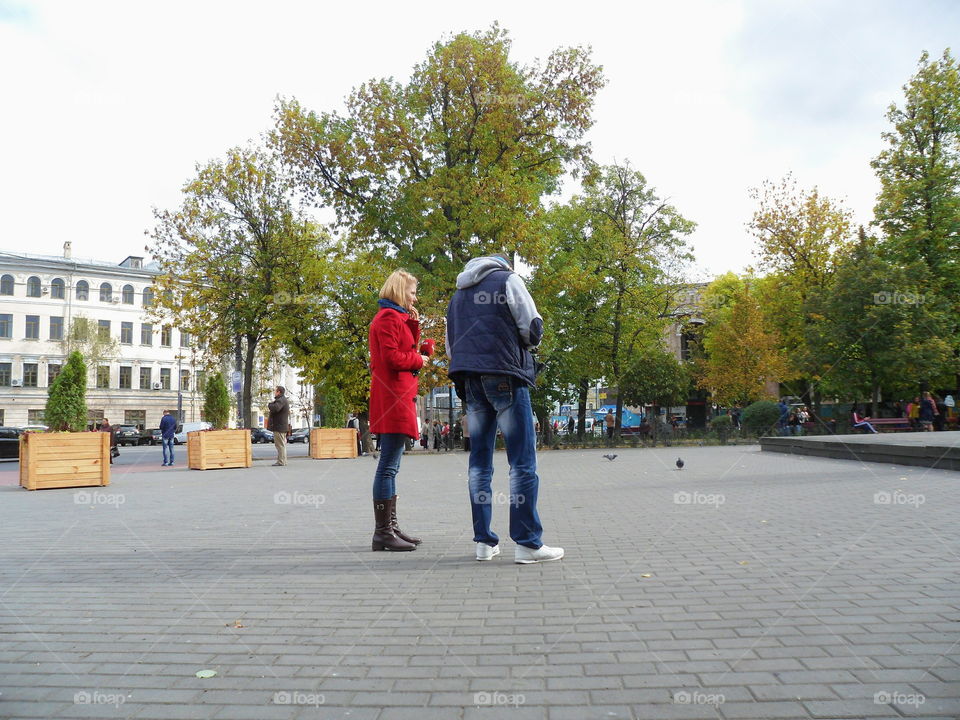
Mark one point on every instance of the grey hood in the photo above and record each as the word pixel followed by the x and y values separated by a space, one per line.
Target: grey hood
pixel 477 269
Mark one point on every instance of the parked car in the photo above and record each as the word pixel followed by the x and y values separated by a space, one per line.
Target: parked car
pixel 261 435
pixel 300 435
pixel 151 437
pixel 10 442
pixel 181 432
pixel 128 435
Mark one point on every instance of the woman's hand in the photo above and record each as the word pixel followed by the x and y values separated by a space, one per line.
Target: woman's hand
pixel 414 313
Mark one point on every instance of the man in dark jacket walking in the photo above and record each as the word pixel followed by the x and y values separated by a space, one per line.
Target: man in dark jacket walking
pixel 279 422
pixel 492 325
pixel 168 425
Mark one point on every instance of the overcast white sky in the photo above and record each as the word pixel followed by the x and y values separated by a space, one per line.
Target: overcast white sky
pixel 108 106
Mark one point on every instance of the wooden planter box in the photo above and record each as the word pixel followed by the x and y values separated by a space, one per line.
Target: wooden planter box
pixel 209 449
pixel 328 443
pixel 62 460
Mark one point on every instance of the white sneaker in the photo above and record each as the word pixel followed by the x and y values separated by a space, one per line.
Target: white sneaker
pixel 544 553
pixel 485 552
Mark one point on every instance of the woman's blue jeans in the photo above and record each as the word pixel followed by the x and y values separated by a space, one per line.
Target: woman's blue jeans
pixel 501 401
pixel 391 450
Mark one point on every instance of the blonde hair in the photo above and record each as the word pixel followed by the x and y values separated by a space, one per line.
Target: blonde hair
pixel 396 286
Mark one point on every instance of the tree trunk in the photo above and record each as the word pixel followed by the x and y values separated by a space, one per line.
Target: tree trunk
pixel 875 405
pixel 619 420
pixel 238 356
pixel 248 362
pixel 582 408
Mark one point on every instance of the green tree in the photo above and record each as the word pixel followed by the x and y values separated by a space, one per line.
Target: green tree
pixel 85 336
pixel 619 250
pixel 800 234
pixel 877 329
pixel 451 164
pixel 216 401
pixel 334 408
pixel 66 398
pixel 742 353
pixel 655 377
pixel 235 258
pixel 918 207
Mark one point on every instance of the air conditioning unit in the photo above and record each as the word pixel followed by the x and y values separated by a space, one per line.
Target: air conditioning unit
pixel 16 383
pixel 156 386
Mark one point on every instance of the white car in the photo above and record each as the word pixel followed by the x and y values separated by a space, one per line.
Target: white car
pixel 181 435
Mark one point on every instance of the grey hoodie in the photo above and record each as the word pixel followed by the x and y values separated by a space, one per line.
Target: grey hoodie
pixel 518 298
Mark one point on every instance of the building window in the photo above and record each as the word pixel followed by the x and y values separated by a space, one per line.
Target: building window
pixel 106 292
pixel 2 423
pixel 126 377
pixel 32 327
pixel 147 297
pixel 184 339
pixel 56 328
pixel 146 334
pixel 6 325
pixel 52 371
pixel 185 380
pixel 103 376
pixel 135 417
pixel 127 294
pixel 103 328
pixel 83 290
pixel 33 286
pixel 35 416
pixel 165 378
pixel 30 375
pixel 166 336
pixel 146 378
pixel 5 372
pixel 126 333
pixel 57 289
pixel 6 285
pixel 201 381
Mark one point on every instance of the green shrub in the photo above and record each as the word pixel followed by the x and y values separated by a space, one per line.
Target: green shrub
pixel 334 409
pixel 216 402
pixel 66 402
pixel 761 417
pixel 722 426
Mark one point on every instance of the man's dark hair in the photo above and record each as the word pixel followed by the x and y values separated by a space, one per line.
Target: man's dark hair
pixel 281 389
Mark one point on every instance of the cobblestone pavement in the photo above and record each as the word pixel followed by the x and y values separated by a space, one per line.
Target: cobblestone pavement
pixel 746 585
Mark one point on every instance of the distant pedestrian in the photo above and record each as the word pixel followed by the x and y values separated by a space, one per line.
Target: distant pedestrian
pixel 168 425
pixel 928 412
pixel 354 424
pixel 571 426
pixel 610 422
pixel 782 422
pixel 280 423
pixel 106 427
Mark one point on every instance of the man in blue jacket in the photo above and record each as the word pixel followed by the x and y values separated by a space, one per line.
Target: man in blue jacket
pixel 492 326
pixel 168 424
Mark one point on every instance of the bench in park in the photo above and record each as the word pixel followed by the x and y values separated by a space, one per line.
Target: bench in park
pixel 900 424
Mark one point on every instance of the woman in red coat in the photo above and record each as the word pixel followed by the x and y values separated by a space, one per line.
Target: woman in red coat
pixel 394 360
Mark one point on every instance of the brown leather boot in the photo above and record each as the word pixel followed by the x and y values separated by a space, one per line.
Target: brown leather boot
pixel 393 523
pixel 384 538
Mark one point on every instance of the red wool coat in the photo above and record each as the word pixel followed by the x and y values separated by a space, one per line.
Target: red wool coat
pixel 393 340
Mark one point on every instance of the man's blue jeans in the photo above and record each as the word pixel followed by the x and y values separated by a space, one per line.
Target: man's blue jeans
pixel 391 450
pixel 502 401
pixel 167 450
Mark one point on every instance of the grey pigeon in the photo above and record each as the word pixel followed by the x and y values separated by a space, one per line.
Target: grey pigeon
pixel 611 458
pixel 679 464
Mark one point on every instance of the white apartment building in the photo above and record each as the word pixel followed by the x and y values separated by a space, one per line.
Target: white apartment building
pixel 156 369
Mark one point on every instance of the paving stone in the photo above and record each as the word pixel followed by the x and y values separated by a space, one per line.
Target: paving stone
pixel 838 598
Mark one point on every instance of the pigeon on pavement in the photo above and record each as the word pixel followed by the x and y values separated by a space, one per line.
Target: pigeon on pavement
pixel 611 458
pixel 679 464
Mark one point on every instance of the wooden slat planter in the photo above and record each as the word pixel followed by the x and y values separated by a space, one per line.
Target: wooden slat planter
pixel 62 460
pixel 210 449
pixel 326 443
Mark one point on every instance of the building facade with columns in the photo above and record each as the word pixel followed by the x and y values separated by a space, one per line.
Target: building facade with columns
pixel 157 367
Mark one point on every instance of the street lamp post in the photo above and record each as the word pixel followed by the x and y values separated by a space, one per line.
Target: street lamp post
pixel 179 390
